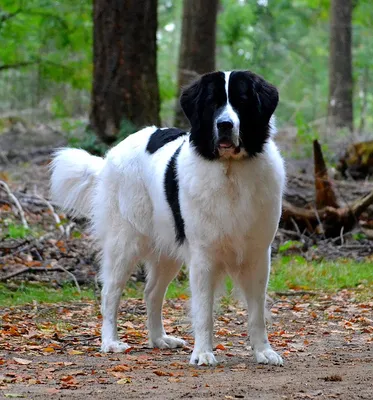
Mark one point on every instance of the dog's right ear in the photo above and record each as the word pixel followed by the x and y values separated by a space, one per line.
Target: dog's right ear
pixel 189 100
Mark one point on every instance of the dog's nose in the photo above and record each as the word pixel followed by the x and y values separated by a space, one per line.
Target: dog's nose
pixel 224 125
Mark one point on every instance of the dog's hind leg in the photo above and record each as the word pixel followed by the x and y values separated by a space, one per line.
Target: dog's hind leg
pixel 161 272
pixel 117 265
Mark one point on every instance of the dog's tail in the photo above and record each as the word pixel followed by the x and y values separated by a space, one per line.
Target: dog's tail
pixel 73 180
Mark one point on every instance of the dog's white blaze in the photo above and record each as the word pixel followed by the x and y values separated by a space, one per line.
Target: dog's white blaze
pixel 229 113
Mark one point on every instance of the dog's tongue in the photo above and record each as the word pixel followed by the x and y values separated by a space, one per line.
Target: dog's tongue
pixel 225 145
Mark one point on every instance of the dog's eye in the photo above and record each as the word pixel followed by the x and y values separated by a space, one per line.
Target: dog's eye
pixel 243 100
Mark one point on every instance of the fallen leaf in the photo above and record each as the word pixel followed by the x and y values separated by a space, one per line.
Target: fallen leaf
pixel 48 349
pixel 124 381
pixel 75 352
pixel 67 378
pixel 22 361
pixel 162 373
pixel 220 347
pixel 53 390
pixel 120 368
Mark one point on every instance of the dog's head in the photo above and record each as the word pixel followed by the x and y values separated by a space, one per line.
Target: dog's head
pixel 229 113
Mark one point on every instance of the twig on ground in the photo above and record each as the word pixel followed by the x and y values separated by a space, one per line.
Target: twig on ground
pixel 32 243
pixel 72 277
pixel 16 202
pixel 55 215
pixel 69 227
pixel 13 246
pixel 297 229
pixel 16 273
pixel 297 293
pixel 319 222
pixel 341 235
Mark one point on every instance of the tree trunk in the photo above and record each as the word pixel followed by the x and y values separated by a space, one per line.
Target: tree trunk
pixel 340 65
pixel 197 47
pixel 125 84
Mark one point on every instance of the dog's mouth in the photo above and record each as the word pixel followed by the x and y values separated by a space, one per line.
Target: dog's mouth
pixel 226 145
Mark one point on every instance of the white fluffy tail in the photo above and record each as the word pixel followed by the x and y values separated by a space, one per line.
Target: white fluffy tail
pixel 74 173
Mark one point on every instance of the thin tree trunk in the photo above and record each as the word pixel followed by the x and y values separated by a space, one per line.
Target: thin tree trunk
pixel 340 65
pixel 125 83
pixel 197 47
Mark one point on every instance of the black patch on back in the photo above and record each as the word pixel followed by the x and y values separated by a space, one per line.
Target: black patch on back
pixel 255 100
pixel 160 137
pixel 171 185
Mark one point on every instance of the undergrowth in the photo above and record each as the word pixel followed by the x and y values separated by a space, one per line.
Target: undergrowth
pixel 288 273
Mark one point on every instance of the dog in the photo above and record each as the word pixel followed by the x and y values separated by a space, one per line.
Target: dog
pixel 209 198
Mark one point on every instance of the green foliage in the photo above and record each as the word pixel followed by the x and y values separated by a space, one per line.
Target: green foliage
pixel 290 245
pixel 306 134
pixel 286 41
pixel 88 141
pixel 17 231
pixel 82 137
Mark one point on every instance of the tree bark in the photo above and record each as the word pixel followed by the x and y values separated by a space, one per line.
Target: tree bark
pixel 125 84
pixel 197 47
pixel 340 65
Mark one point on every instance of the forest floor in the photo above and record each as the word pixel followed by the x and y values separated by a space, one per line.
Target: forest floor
pixel 50 345
pixel 326 341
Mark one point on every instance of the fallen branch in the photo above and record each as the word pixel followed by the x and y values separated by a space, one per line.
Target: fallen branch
pixel 16 202
pixel 297 293
pixel 333 219
pixel 42 269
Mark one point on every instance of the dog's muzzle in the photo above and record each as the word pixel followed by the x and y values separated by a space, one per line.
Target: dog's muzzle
pixel 226 139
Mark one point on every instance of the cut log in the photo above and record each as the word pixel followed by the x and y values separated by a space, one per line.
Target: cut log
pixel 324 215
pixel 328 221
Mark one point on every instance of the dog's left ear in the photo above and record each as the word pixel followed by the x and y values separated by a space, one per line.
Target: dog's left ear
pixel 189 101
pixel 267 99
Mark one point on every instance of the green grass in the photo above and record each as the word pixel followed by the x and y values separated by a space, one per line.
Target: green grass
pixel 288 272
pixel 41 293
pixel 294 272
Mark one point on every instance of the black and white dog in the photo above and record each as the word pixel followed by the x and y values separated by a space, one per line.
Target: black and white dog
pixel 210 198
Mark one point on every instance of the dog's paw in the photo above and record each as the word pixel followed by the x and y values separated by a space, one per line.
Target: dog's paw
pixel 268 356
pixel 203 358
pixel 115 346
pixel 167 342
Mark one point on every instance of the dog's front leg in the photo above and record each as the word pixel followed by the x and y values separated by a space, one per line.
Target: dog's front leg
pixel 202 285
pixel 253 281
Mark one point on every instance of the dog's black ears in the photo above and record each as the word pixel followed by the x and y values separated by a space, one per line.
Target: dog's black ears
pixel 189 100
pixel 267 98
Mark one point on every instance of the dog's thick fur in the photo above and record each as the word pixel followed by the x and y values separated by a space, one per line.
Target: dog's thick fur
pixel 210 198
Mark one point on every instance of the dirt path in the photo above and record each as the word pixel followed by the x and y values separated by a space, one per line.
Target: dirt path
pixel 326 341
